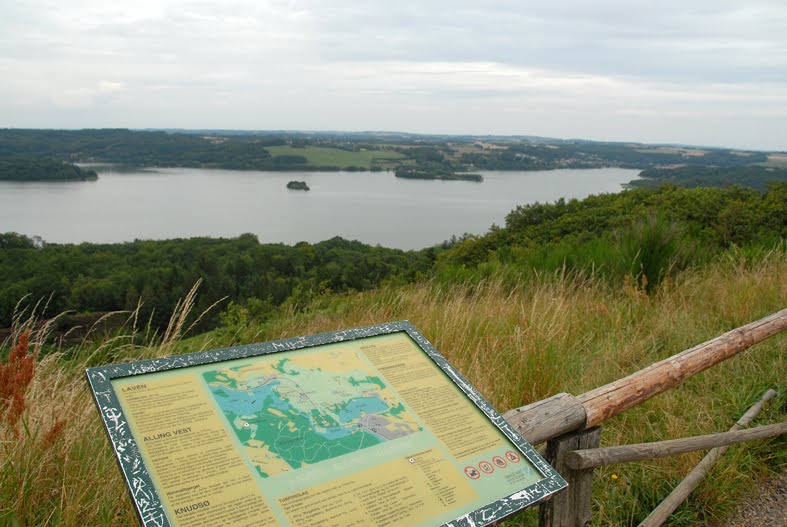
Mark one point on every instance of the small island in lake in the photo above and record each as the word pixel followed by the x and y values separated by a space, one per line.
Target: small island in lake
pixel 23 168
pixel 297 185
pixel 440 173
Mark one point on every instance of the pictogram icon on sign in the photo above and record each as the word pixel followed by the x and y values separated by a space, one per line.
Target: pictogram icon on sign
pixel 486 467
pixel 512 456
pixel 472 473
pixel 499 462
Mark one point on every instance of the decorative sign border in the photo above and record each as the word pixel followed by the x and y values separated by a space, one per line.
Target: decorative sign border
pixel 138 480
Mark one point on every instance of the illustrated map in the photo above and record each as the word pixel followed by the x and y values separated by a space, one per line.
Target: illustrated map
pixel 306 408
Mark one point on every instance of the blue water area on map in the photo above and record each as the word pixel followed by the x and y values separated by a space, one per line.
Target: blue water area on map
pixel 334 433
pixel 250 402
pixel 366 405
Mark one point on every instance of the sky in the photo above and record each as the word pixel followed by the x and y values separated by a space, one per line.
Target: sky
pixel 699 72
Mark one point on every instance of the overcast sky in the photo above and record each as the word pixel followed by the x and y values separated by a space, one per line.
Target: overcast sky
pixel 703 72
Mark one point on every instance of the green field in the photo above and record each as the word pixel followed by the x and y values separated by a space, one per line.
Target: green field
pixel 336 157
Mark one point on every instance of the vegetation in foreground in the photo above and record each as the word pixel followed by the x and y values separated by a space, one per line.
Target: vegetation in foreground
pixel 517 336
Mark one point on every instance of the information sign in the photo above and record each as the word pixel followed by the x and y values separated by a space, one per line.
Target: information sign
pixel 365 427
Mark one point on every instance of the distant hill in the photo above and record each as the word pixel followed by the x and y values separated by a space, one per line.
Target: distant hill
pixel 298 151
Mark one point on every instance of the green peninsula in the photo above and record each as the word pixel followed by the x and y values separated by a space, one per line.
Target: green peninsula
pixel 42 169
pixel 436 173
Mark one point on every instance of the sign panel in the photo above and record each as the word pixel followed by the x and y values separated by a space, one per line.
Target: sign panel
pixel 366 427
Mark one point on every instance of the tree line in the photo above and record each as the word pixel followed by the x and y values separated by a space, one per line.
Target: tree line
pixel 638 233
pixel 108 277
pixel 753 176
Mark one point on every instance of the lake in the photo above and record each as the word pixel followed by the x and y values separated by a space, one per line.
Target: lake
pixel 373 207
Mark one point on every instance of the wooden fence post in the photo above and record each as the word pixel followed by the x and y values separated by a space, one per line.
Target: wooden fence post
pixel 572 507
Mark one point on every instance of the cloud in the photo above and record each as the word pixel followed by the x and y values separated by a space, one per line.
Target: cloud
pixel 607 69
pixel 107 87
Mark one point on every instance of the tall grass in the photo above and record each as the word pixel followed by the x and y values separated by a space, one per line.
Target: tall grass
pixel 56 464
pixel 518 337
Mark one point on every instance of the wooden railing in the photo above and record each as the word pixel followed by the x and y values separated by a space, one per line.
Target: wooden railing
pixel 570 424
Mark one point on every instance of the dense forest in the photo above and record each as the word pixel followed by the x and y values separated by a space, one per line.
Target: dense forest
pixel 17 168
pixel 132 148
pixel 642 233
pixel 754 176
pixel 101 278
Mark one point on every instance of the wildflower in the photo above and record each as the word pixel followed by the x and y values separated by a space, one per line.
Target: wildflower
pixel 53 433
pixel 15 376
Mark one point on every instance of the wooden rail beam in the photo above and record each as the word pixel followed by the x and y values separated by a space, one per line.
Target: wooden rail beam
pixel 618 396
pixel 547 419
pixel 613 455
pixel 564 413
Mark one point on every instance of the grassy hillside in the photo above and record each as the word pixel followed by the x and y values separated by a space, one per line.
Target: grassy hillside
pixel 517 336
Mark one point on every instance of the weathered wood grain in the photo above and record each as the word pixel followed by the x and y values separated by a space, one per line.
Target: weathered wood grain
pixel 547 419
pixel 614 455
pixel 572 507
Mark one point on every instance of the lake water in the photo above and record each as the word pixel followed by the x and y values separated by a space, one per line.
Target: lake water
pixel 376 208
